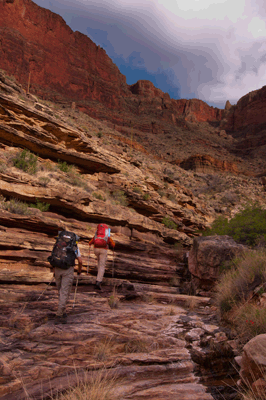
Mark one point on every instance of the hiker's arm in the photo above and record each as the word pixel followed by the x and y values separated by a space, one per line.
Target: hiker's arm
pixel 112 243
pixel 80 265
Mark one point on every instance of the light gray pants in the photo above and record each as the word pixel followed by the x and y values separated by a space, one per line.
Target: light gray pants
pixel 64 280
pixel 101 255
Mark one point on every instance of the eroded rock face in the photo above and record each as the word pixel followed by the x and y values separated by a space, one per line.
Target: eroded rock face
pixel 144 244
pixel 249 111
pixel 208 164
pixel 38 47
pixel 207 256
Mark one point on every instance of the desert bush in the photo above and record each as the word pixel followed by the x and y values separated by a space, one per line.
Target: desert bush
pixel 113 300
pixel 161 193
pixel 137 189
pixel 169 223
pixel 64 166
pixel 120 197
pixel 230 197
pixel 3 167
pixel 26 161
pixel 40 206
pixel 247 227
pixel 44 180
pixel 232 293
pixel 98 196
pixel 146 196
pixel 15 206
pixel 75 179
pixel 249 320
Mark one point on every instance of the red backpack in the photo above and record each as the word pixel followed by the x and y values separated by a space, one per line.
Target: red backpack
pixel 101 236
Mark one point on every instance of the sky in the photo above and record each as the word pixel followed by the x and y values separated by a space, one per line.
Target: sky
pixel 212 50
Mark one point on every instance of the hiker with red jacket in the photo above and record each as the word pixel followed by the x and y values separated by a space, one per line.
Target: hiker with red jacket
pixel 101 242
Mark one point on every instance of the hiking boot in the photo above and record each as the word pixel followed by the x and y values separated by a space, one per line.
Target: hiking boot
pixel 98 285
pixel 61 319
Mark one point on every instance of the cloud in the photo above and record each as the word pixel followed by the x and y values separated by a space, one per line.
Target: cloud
pixel 213 50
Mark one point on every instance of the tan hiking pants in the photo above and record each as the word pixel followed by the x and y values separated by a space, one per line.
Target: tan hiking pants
pixel 101 255
pixel 64 280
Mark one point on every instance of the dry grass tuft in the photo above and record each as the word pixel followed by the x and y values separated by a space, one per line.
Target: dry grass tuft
pixel 191 303
pixel 137 345
pixel 113 300
pixel 101 386
pixel 103 349
pixel 236 296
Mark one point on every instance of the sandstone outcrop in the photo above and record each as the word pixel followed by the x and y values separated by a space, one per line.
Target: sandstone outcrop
pixel 208 164
pixel 252 364
pixel 207 257
pixel 249 111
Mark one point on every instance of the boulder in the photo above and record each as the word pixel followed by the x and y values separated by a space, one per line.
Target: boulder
pixel 208 254
pixel 253 364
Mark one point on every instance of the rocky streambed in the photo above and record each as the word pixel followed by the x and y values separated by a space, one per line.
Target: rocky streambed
pixel 158 344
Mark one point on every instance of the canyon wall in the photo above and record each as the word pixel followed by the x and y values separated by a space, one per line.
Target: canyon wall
pixel 37 45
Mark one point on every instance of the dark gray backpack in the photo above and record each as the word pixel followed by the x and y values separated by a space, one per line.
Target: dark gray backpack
pixel 64 251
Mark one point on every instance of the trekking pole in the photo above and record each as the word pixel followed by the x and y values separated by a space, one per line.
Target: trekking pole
pixel 113 265
pixel 25 305
pixel 45 289
pixel 75 292
pixel 88 261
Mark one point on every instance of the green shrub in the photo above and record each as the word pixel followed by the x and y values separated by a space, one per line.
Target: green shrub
pixel 146 196
pixel 64 166
pixel 161 193
pixel 169 223
pixel 137 189
pixel 247 227
pixel 120 197
pixel 75 179
pixel 40 206
pixel 98 196
pixel 26 161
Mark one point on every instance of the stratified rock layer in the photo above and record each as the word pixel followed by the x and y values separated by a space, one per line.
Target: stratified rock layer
pixel 43 53
pixel 150 347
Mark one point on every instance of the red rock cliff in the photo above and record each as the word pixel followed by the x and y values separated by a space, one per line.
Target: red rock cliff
pixel 67 66
pixel 250 110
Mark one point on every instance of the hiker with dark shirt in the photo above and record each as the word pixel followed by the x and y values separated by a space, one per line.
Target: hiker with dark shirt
pixel 62 259
pixel 101 242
